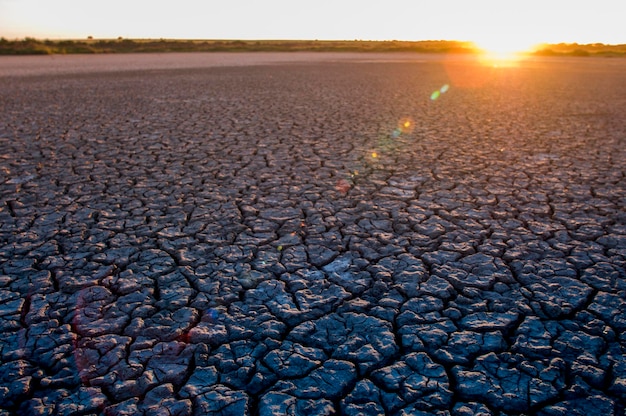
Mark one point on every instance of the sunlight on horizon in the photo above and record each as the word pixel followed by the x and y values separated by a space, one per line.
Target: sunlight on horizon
pixel 503 51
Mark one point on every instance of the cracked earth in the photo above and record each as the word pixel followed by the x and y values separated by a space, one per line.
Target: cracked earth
pixel 320 237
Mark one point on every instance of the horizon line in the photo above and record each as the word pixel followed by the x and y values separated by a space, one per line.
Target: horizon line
pixel 94 38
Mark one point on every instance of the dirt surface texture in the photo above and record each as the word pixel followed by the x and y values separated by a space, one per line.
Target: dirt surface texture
pixel 312 234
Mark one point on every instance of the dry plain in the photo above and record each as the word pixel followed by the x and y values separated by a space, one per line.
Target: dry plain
pixel 312 234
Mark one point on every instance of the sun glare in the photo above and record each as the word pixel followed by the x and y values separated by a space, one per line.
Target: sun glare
pixel 500 51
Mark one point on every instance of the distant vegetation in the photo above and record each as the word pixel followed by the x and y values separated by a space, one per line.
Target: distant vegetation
pixel 31 46
pixel 575 49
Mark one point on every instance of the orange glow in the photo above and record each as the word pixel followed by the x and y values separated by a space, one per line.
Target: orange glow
pixel 503 51
pixel 405 126
pixel 467 73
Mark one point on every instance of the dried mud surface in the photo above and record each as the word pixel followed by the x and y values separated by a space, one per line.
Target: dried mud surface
pixel 341 235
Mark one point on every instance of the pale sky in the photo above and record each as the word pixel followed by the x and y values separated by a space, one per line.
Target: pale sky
pixel 520 22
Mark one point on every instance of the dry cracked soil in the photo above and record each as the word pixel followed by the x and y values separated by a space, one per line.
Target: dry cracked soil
pixel 312 235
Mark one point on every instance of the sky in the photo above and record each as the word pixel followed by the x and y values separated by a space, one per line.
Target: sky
pixel 516 23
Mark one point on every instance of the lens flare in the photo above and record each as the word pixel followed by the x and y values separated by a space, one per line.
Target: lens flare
pixel 343 186
pixel 435 95
pixel 212 314
pixel 387 144
pixel 405 126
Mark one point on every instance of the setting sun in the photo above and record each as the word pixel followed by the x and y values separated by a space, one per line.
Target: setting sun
pixel 503 51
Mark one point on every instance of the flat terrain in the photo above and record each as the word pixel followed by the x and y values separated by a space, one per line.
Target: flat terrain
pixel 32 46
pixel 312 234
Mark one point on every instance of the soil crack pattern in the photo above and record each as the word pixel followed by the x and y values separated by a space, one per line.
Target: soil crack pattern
pixel 329 237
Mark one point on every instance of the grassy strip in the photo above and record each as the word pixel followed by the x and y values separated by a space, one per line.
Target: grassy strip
pixel 575 49
pixel 31 46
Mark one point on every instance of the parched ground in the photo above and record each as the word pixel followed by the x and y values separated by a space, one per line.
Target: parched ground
pixel 350 235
